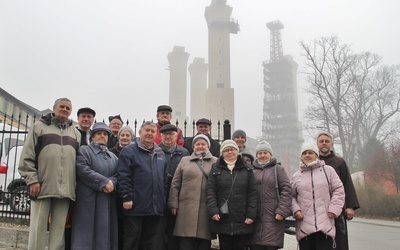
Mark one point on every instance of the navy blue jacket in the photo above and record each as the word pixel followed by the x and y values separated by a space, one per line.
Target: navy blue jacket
pixel 141 179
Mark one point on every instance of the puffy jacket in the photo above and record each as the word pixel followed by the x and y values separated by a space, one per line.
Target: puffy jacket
pixel 141 179
pixel 316 190
pixel 49 157
pixel 242 201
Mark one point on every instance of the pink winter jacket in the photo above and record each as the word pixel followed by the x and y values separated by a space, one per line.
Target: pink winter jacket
pixel 311 194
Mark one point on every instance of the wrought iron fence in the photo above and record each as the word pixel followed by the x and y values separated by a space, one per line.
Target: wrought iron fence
pixel 14 193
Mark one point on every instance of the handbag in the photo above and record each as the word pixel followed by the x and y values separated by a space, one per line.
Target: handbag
pixel 224 207
pixel 340 223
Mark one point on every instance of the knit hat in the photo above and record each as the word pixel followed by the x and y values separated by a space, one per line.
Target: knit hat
pixel 309 146
pixel 100 126
pixel 239 132
pixel 264 146
pixel 201 136
pixel 129 129
pixel 227 144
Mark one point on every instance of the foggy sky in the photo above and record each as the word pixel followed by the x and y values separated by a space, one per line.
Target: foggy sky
pixel 112 55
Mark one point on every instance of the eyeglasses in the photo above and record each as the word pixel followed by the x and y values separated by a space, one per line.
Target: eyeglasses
pixel 115 124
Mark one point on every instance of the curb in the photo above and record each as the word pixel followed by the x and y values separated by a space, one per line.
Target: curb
pixel 393 224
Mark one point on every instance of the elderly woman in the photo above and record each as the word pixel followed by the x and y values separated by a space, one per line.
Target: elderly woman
pixel 125 137
pixel 187 199
pixel 275 199
pixel 317 199
pixel 232 183
pixel 94 222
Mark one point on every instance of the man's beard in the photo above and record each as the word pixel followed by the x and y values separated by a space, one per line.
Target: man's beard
pixel 325 150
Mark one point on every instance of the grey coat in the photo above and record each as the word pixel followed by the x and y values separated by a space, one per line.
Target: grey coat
pixel 268 230
pixel 94 220
pixel 188 194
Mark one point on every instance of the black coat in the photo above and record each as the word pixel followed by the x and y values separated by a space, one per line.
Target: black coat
pixel 242 202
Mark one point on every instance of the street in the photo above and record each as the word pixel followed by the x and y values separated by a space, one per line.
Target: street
pixel 365 235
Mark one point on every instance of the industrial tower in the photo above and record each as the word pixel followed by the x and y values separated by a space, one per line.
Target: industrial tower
pixel 220 96
pixel 198 87
pixel 281 126
pixel 178 59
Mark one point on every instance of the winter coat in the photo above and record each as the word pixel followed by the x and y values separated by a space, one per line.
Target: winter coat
pixel 179 136
pixel 268 230
pixel 188 194
pixel 94 220
pixel 314 196
pixel 173 159
pixel 343 172
pixel 141 179
pixel 214 147
pixel 242 201
pixel 49 157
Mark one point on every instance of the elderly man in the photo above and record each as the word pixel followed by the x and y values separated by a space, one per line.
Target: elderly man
pixel 85 122
pixel 114 125
pixel 164 116
pixel 173 153
pixel 325 146
pixel 140 170
pixel 203 126
pixel 240 137
pixel 48 163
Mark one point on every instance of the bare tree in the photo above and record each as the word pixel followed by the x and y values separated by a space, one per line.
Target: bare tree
pixel 351 95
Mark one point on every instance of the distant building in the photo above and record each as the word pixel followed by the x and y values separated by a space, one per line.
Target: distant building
pixel 198 87
pixel 220 103
pixel 178 60
pixel 15 112
pixel 280 125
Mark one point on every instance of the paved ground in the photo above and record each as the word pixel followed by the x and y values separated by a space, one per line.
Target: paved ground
pixel 16 239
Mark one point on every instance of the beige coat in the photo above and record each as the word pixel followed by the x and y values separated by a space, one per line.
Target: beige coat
pixel 187 193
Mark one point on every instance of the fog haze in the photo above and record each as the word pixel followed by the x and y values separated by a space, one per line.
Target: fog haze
pixel 112 55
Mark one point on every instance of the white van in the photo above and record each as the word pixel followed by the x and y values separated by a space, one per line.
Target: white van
pixel 13 189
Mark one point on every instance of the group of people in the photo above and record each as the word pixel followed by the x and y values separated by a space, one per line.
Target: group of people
pixel 165 192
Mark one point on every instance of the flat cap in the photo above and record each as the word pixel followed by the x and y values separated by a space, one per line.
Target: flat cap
pixel 164 108
pixel 86 110
pixel 168 127
pixel 203 121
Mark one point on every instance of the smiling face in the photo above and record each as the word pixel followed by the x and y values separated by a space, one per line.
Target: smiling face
pixel 62 110
pixel 115 126
pixel 147 134
pixel 324 144
pixel 263 156
pixel 100 137
pixel 203 128
pixel 230 154
pixel 200 146
pixel 308 156
pixel 240 141
pixel 85 120
pixel 125 138
pixel 168 138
